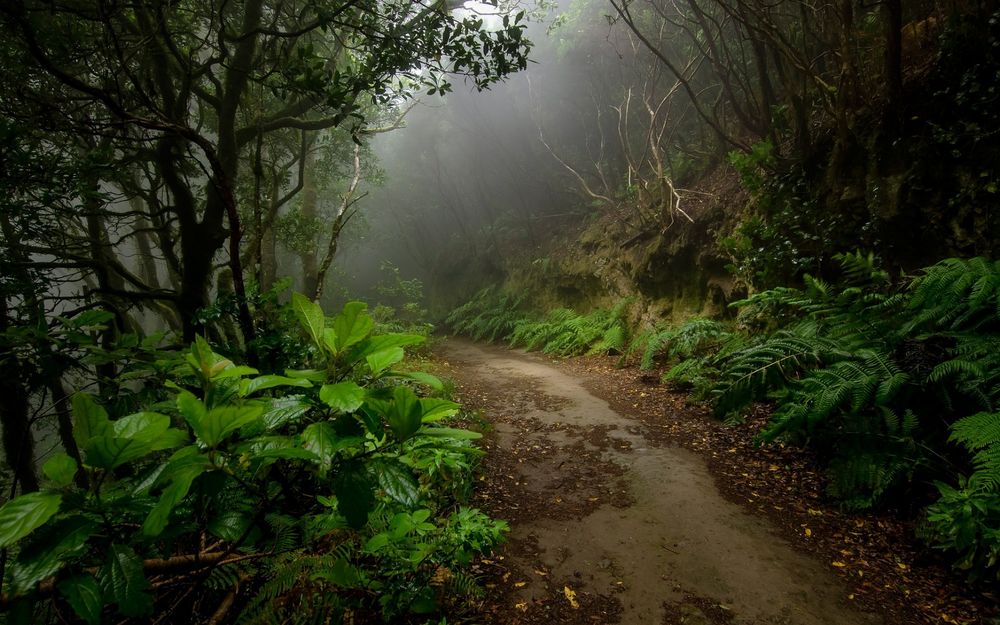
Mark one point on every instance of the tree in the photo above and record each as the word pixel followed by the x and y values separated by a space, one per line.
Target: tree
pixel 181 93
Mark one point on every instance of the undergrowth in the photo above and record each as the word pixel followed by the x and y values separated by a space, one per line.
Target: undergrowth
pixel 895 384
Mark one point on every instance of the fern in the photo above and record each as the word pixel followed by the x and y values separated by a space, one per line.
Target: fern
pixel 751 373
pixel 488 316
pixel 956 294
pixel 980 435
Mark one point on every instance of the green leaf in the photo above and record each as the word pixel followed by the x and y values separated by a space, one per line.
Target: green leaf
pixel 405 414
pixel 142 426
pixel 61 469
pixel 235 371
pixel 231 524
pixel 465 435
pixel 343 396
pixel 352 325
pixel 170 439
pixel 220 422
pixel 321 439
pixel 124 581
pixel 342 574
pixel 310 316
pixel 191 408
pixel 84 596
pixel 108 452
pixel 89 419
pixel 380 361
pixel 354 495
pixel 45 553
pixel 398 482
pixel 384 342
pixel 313 375
pixel 22 515
pixel 433 409
pixel 181 472
pixel 285 410
pixel 427 379
pixel 262 382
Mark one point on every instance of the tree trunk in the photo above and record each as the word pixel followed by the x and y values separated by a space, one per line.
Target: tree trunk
pixel 310 262
pixel 892 11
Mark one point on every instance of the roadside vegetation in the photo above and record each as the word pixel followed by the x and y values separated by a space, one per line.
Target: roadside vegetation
pixel 894 384
pixel 324 485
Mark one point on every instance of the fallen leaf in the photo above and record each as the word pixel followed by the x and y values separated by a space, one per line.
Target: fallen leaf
pixel 809 532
pixel 571 597
pixel 838 564
pixel 520 584
pixel 522 606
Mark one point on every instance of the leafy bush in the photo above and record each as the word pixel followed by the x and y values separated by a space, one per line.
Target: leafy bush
pixel 493 316
pixel 488 316
pixel 564 332
pixel 875 377
pixel 271 485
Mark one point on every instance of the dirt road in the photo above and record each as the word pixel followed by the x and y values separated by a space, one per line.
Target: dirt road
pixel 608 526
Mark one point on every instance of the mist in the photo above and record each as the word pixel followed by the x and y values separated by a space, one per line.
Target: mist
pixel 477 177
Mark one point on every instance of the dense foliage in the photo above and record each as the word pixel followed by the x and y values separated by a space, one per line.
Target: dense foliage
pixel 492 316
pixel 895 386
pixel 224 493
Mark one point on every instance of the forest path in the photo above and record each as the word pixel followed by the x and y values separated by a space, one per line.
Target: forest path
pixel 607 526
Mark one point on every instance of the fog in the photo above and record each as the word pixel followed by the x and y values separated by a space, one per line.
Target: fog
pixel 475 177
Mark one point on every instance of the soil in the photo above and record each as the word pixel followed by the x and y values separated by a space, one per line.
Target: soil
pixel 628 505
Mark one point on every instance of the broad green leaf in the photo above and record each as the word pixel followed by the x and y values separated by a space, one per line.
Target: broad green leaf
pixel 205 362
pixel 142 426
pixel 124 582
pixel 22 515
pixel 89 419
pixel 467 435
pixel 372 420
pixel 170 439
pixel 354 495
pixel 48 549
pixel 343 396
pixel 263 382
pixel 398 482
pixel 220 422
pixel 352 325
pixel 330 340
pixel 108 452
pixel 235 371
pixel 427 379
pixel 406 412
pixel 61 469
pixel 313 375
pixel 434 409
pixel 310 316
pixel 377 542
pixel 388 341
pixel 181 472
pixel 382 360
pixel 84 595
pixel 321 439
pixel 191 408
pixel 284 410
